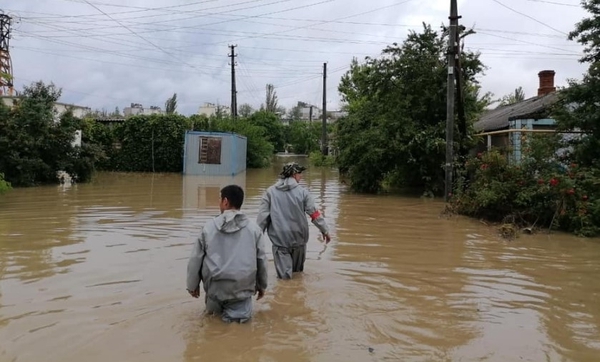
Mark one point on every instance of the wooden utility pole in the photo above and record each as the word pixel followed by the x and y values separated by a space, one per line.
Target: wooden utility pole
pixel 452 51
pixel 310 114
pixel 232 55
pixel 324 148
pixel 463 151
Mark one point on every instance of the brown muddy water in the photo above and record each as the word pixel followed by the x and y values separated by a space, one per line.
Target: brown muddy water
pixel 96 272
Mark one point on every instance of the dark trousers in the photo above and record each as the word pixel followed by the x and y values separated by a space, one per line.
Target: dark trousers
pixel 288 260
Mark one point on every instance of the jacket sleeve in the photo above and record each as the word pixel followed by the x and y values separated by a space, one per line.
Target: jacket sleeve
pixel 315 215
pixel 194 268
pixel 261 263
pixel 264 211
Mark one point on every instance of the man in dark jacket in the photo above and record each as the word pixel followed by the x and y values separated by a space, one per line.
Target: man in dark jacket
pixel 229 258
pixel 282 213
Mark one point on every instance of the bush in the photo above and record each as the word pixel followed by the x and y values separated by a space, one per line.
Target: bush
pixel 4 185
pixel 34 145
pixel 541 190
pixel 317 159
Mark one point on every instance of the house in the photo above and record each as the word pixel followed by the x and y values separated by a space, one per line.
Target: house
pixel 136 109
pixel 59 108
pixel 499 126
pixel 211 109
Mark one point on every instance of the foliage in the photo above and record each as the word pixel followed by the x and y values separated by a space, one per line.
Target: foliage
pixel 396 105
pixel 303 137
pixel 541 190
pixel 34 145
pixel 270 100
pixel 516 97
pixel 316 158
pixel 143 143
pixel 259 149
pixel 272 125
pixel 245 110
pixel 4 185
pixel 171 104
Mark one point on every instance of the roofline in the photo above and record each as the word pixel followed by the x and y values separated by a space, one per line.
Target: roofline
pixel 59 103
pixel 211 133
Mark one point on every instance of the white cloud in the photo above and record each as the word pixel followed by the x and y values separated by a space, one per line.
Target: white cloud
pixel 182 47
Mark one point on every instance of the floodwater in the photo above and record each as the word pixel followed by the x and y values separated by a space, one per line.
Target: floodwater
pixel 96 272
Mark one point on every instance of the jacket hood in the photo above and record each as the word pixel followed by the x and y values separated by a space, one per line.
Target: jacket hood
pixel 231 221
pixel 286 184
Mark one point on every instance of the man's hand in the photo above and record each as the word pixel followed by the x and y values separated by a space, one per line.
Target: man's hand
pixel 195 293
pixel 327 238
pixel 261 294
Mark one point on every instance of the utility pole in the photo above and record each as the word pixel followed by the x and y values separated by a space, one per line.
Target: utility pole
pixel 310 114
pixel 324 130
pixel 6 72
pixel 232 55
pixel 463 151
pixel 452 48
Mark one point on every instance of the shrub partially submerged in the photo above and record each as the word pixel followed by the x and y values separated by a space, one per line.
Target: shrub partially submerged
pixel 543 190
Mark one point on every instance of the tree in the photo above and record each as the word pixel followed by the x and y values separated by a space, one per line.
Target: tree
pixel 295 113
pixel 35 143
pixel 245 110
pixel 395 128
pixel 516 97
pixel 271 99
pixel 272 126
pixel 171 104
pixel 116 113
pixel 579 108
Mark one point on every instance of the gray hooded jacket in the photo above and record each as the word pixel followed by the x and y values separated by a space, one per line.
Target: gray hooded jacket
pixel 283 211
pixel 229 258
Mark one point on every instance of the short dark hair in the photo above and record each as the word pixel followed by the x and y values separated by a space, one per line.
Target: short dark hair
pixel 234 194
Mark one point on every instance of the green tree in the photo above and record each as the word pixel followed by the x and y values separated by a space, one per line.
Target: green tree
pixel 395 128
pixel 35 143
pixel 171 104
pixel 245 110
pixel 270 99
pixel 580 101
pixel 4 185
pixel 295 113
pixel 303 137
pixel 516 97
pixel 272 126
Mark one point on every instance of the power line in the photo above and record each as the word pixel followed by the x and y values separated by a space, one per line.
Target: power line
pixel 139 36
pixel 529 17
pixel 555 3
pixel 337 19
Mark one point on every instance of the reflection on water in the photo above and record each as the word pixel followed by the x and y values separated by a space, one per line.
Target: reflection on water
pixel 98 269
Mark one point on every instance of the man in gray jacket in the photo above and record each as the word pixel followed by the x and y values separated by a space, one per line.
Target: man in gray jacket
pixel 282 213
pixel 229 258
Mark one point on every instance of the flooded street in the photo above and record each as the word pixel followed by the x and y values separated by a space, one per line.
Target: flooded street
pixel 96 272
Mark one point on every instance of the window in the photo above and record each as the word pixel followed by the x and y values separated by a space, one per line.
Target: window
pixel 210 150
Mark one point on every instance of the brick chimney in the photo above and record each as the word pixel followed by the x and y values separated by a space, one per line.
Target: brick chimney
pixel 546 82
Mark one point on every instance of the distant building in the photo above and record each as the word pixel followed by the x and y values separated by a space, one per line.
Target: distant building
pixel 211 109
pixel 136 109
pixel 59 108
pixel 335 115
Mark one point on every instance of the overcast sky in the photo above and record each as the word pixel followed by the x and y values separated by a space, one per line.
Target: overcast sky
pixel 107 53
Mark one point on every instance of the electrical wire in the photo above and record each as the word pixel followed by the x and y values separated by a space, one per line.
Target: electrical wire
pixel 529 17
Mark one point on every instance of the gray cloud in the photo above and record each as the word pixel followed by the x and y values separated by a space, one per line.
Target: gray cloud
pixel 182 47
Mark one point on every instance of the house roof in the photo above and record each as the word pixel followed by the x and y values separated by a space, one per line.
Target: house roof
pixel 535 107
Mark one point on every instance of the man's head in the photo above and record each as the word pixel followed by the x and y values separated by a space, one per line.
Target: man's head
pixel 232 198
pixel 293 170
